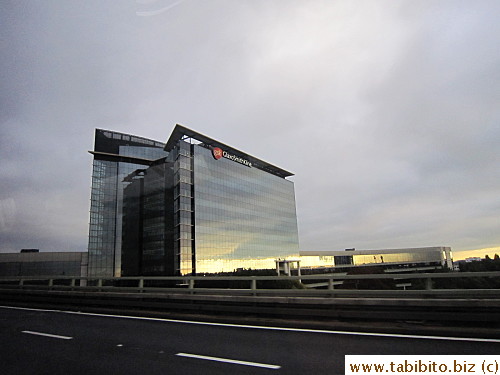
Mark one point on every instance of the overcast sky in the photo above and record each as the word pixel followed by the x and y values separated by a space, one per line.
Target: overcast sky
pixel 388 112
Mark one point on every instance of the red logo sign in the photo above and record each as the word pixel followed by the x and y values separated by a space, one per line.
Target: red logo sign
pixel 217 153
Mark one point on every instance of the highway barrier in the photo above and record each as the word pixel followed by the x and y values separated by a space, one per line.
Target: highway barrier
pixel 260 295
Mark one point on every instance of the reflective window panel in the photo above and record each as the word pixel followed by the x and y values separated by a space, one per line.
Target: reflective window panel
pixel 244 217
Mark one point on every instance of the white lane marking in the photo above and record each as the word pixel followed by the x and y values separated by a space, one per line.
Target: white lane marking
pixel 396 335
pixel 28 309
pixel 226 360
pixel 48 335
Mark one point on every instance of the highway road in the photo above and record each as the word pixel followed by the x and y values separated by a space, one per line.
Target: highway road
pixel 35 341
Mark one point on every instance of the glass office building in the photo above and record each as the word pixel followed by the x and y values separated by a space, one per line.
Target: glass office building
pixel 116 156
pixel 243 216
pixel 192 205
pixel 439 256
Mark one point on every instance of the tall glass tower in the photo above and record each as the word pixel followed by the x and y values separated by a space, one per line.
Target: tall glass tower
pixel 192 205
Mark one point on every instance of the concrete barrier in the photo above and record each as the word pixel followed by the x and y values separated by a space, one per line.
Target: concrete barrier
pixel 290 306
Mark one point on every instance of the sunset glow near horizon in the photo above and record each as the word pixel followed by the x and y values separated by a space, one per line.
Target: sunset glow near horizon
pixel 481 253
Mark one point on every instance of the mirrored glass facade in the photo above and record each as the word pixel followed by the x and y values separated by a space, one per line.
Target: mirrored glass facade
pixel 244 217
pixel 116 155
pixel 399 258
pixel 438 255
pixel 175 208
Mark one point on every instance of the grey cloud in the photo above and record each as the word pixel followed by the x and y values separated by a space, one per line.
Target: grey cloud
pixel 386 111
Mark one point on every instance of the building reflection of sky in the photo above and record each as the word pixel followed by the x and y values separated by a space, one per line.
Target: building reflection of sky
pixel 244 217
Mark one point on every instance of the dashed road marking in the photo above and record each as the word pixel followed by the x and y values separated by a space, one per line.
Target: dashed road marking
pixel 48 335
pixel 232 361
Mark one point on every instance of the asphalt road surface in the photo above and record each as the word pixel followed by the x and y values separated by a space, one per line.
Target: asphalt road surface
pixel 35 341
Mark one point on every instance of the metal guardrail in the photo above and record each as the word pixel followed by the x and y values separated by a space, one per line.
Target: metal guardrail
pixel 194 284
pixel 196 294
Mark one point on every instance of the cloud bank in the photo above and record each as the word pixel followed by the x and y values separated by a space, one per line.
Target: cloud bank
pixel 386 111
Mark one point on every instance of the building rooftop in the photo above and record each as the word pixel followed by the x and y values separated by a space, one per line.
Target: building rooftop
pixel 180 132
pixel 369 252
